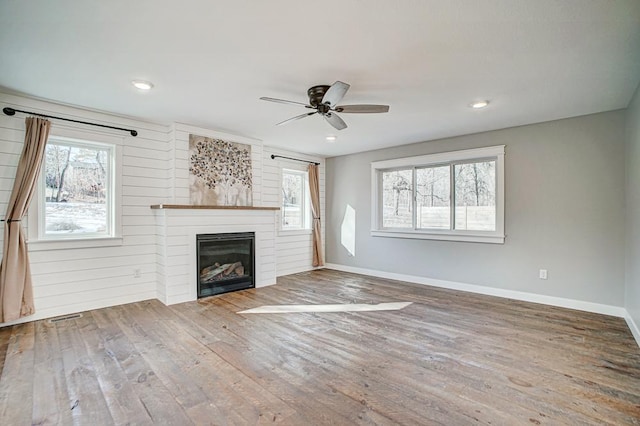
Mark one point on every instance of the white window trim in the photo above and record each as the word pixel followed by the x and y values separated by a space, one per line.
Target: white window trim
pixel 493 152
pixel 306 230
pixel 35 217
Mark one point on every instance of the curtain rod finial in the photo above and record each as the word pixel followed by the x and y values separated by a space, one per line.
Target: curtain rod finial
pixel 134 133
pixel 9 111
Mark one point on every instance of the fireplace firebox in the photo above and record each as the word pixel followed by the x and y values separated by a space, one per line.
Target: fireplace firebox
pixel 226 262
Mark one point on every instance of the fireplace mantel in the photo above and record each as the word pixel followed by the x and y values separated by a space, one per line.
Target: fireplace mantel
pixel 194 207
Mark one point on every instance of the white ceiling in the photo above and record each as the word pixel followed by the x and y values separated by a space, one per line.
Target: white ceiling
pixel 210 60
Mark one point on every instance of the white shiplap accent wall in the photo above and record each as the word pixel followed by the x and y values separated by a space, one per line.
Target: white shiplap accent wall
pixel 293 248
pixel 73 280
pixel 158 243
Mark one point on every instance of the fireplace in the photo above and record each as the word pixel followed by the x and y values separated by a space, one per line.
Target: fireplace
pixel 226 262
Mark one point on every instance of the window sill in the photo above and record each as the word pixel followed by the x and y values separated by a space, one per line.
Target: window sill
pixel 442 236
pixel 291 232
pixel 67 244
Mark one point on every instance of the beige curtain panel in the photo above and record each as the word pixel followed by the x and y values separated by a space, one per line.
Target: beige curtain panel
pixel 314 190
pixel 16 292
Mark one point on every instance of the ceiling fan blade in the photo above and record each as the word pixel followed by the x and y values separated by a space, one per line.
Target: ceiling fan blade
pixel 364 109
pixel 297 117
pixel 335 93
pixel 282 101
pixel 335 121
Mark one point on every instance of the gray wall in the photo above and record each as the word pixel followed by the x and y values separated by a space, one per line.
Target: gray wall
pixel 632 297
pixel 564 212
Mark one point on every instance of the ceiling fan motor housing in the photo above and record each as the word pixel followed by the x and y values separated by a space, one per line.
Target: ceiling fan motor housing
pixel 316 93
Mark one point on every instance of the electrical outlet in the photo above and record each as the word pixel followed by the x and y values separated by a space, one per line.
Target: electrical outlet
pixel 543 274
pixel 136 273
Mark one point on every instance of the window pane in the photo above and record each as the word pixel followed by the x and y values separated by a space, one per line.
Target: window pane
pixel 76 190
pixel 432 198
pixel 292 200
pixel 476 196
pixel 397 203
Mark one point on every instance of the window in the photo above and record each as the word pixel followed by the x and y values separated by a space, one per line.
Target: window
pixel 76 197
pixel 448 196
pixel 295 211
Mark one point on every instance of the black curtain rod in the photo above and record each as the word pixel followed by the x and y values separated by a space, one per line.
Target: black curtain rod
pixel 12 111
pixel 273 157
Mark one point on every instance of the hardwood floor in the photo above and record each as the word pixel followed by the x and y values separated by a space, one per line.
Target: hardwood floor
pixel 449 358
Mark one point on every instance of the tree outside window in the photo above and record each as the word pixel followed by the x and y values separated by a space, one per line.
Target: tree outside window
pixel 76 189
pixel 475 196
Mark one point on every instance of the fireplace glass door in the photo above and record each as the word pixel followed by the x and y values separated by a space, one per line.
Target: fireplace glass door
pixel 226 262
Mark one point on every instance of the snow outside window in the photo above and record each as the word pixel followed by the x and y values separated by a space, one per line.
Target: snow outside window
pixel 76 198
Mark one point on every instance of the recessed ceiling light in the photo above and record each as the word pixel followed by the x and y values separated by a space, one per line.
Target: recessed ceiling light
pixel 331 138
pixel 479 104
pixel 142 85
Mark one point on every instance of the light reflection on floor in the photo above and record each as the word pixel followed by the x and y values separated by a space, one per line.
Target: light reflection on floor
pixel 349 307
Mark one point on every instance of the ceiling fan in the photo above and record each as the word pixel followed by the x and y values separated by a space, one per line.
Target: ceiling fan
pixel 324 100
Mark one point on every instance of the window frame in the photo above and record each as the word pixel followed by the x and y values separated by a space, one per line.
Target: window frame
pixel 431 160
pixel 305 205
pixel 36 217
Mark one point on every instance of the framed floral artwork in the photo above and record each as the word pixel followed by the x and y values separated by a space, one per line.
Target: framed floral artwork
pixel 220 172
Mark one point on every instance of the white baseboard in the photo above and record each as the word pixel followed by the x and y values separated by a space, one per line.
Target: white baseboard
pixel 635 330
pixel 616 311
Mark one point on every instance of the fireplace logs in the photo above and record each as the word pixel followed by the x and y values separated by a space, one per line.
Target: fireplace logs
pixel 218 272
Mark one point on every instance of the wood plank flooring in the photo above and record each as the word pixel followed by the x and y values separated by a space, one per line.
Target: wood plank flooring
pixel 450 358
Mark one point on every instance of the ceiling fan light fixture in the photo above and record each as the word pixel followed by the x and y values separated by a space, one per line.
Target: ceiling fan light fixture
pixel 142 85
pixel 331 138
pixel 479 104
